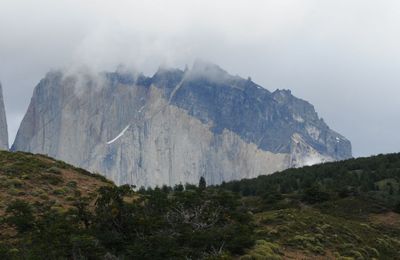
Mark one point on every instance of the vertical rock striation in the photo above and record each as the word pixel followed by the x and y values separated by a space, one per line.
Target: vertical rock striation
pixel 3 123
pixel 175 126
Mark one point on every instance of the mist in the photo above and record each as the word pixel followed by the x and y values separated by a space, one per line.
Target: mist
pixel 341 56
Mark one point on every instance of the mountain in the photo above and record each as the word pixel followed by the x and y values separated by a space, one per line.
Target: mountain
pixel 3 123
pixel 174 127
pixel 340 210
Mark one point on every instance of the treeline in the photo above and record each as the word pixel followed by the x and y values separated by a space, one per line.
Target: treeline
pixel 170 223
pixel 378 176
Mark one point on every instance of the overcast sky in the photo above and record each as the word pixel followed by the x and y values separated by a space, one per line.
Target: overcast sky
pixel 343 56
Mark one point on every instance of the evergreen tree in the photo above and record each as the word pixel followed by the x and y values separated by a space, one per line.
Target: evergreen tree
pixel 202 183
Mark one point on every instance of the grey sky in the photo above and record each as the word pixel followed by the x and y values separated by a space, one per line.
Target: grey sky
pixel 343 56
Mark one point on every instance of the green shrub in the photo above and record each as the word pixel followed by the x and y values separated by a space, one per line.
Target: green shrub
pixel 54 170
pixel 315 195
pixel 20 214
pixel 52 179
pixel 13 183
pixel 263 250
pixel 72 184
pixel 59 191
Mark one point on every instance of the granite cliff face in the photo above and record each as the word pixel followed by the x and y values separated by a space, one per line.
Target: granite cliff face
pixel 3 123
pixel 175 126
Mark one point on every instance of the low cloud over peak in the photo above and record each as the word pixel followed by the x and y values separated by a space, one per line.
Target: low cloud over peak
pixel 342 56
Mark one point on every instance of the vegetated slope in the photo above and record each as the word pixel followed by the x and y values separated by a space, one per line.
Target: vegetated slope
pixel 343 209
pixel 33 185
pixel 44 181
pixel 51 210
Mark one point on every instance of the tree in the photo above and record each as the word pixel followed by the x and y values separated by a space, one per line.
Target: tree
pixel 179 187
pixel 397 208
pixel 202 183
pixel 315 195
pixel 20 215
pixel 83 213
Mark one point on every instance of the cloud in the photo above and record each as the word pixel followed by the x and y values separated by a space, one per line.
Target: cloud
pixel 342 56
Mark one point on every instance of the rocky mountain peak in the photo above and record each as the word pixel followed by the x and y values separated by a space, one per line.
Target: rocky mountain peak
pixel 202 70
pixel 3 123
pixel 175 126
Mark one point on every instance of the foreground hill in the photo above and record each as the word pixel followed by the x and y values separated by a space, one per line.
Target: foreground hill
pixel 341 210
pixel 43 181
pixel 328 211
pixel 52 210
pixel 175 126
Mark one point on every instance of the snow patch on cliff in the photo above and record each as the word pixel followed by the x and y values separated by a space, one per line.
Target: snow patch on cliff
pixel 119 135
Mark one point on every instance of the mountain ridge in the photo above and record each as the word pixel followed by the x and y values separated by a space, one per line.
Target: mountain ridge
pixel 182 125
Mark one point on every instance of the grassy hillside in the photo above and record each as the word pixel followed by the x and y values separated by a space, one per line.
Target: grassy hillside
pixel 342 210
pixel 347 209
pixel 44 182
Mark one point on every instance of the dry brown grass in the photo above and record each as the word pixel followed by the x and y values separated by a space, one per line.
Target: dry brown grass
pixel 46 181
pixel 389 219
pixel 301 255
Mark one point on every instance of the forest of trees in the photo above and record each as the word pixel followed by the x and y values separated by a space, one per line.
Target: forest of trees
pixel 377 176
pixel 181 222
pixel 212 222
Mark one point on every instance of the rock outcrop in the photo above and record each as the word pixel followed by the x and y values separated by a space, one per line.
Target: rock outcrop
pixel 174 127
pixel 3 123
